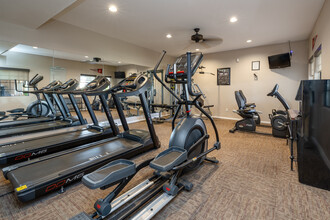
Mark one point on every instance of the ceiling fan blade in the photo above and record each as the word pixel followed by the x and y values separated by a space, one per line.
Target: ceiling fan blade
pixel 189 46
pixel 205 45
pixel 213 41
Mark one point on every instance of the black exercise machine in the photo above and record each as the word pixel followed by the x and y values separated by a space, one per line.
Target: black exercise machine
pixel 53 172
pixel 68 138
pixel 163 107
pixel 187 149
pixel 35 111
pixel 54 122
pixel 279 119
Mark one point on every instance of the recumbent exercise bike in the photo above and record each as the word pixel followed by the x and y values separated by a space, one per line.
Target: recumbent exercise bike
pixel 251 118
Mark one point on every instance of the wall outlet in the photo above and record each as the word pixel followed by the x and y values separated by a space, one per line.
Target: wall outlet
pixel 226 109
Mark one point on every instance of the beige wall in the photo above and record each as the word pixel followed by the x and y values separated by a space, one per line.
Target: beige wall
pixel 322 29
pixel 242 78
pixel 41 65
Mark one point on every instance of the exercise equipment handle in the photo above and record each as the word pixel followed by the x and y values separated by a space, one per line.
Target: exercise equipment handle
pixel 159 80
pixel 189 75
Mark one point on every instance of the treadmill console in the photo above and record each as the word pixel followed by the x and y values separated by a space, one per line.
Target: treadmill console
pixel 135 84
pixel 100 83
pixel 52 86
pixel 178 71
pixel 69 85
pixel 35 80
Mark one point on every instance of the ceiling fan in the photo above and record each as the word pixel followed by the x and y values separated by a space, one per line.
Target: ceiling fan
pixel 202 72
pixel 200 40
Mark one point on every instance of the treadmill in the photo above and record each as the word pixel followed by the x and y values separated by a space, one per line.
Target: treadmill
pixel 42 175
pixel 58 121
pixel 36 147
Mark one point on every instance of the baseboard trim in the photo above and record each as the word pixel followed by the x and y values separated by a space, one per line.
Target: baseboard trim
pixel 134 119
pixel 236 119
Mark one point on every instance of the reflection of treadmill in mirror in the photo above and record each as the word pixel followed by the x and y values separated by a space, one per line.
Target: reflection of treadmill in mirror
pixel 29 121
pixel 58 122
pixel 68 138
pixel 54 171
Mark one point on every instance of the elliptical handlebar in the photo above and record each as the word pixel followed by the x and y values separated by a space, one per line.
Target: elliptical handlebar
pixel 159 80
pixel 189 75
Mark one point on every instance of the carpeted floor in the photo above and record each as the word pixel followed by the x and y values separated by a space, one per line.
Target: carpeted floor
pixel 252 181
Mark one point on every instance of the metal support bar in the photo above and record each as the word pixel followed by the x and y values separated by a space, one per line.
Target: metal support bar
pixel 120 112
pixel 76 109
pixel 147 115
pixel 90 109
pixel 59 105
pixel 65 106
pixel 212 121
pixel 176 115
pixel 50 104
pixel 107 112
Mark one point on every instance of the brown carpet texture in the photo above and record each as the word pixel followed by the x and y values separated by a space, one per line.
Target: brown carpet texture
pixel 252 181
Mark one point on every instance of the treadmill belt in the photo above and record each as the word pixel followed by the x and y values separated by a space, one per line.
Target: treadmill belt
pixel 8 124
pixel 44 171
pixel 47 141
pixel 19 130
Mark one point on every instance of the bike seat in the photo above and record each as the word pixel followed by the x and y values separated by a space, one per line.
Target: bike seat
pixel 109 174
pixel 248 110
pixel 252 105
pixel 168 159
pixel 16 110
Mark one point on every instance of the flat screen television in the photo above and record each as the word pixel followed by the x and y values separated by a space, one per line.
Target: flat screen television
pixel 279 61
pixel 119 75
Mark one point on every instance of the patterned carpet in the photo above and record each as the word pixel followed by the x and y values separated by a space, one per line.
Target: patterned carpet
pixel 252 181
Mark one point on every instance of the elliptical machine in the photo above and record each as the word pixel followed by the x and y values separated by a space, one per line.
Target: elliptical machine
pixel 187 149
pixel 279 118
pixel 38 108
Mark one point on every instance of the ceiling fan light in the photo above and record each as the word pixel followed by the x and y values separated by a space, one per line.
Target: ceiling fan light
pixel 113 8
pixel 233 19
pixel 169 36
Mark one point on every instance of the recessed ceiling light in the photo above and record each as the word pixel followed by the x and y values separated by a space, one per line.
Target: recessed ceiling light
pixel 233 19
pixel 86 56
pixel 169 36
pixel 113 8
pixel 197 49
pixel 119 61
pixel 35 47
pixel 248 41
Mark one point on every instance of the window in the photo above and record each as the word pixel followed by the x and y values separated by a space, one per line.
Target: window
pixel 7 81
pixel 315 65
pixel 85 79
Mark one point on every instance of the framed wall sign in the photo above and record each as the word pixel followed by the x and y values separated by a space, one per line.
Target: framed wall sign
pixel 223 76
pixel 255 65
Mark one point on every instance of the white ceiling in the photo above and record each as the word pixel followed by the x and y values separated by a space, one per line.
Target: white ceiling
pixel 31 13
pixel 146 22
pixel 5 46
